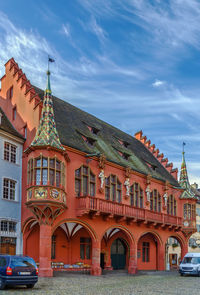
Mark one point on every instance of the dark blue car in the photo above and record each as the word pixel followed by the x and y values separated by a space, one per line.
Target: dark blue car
pixel 17 270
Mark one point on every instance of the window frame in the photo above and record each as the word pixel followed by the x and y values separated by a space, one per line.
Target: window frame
pixel 85 244
pixel 8 189
pixel 10 152
pixel 189 211
pixel 9 226
pixel 37 169
pixel 155 201
pixel 85 182
pixel 145 251
pixel 113 189
pixel 136 195
pixel 171 205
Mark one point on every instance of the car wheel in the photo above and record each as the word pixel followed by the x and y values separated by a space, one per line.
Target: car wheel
pixel 2 284
pixel 181 274
pixel 30 286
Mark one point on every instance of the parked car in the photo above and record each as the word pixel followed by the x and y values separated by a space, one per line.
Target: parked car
pixel 190 264
pixel 17 270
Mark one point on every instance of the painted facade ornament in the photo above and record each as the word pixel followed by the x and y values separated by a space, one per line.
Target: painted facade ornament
pixel 127 185
pixel 40 193
pixel 55 194
pixel 102 179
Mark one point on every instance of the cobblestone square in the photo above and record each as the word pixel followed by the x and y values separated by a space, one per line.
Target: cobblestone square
pixel 118 283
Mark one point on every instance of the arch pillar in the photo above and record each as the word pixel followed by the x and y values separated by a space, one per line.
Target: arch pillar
pixel 161 256
pixel 132 265
pixel 96 250
pixel 45 269
pixel 184 250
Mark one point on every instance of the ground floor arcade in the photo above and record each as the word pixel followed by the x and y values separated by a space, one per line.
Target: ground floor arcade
pixel 73 244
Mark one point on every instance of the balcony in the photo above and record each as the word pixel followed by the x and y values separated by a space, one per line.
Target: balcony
pixel 107 209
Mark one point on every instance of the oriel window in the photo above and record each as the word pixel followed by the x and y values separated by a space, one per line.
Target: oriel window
pixel 44 169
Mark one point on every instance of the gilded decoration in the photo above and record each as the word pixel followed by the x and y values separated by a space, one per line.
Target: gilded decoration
pixel 40 193
pixel 29 194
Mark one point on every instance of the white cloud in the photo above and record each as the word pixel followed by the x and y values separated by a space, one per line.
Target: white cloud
pixel 97 30
pixel 158 83
pixel 66 29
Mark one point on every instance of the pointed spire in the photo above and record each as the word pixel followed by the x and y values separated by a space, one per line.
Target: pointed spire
pixel 184 181
pixel 47 134
pixel 48 88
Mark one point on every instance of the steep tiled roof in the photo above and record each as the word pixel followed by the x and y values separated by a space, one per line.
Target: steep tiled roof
pixel 47 134
pixel 75 129
pixel 7 126
pixel 184 181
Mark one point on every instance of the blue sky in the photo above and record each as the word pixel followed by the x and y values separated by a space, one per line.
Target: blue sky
pixel 132 63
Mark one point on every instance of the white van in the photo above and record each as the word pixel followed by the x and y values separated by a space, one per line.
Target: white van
pixel 190 264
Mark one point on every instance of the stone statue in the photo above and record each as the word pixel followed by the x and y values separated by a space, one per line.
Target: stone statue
pixel 165 197
pixel 127 185
pixel 102 178
pixel 148 192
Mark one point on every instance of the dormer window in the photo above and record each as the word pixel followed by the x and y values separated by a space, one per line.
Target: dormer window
pixel 123 143
pixel 93 129
pixel 125 156
pixel 9 93
pixel 88 140
pixel 153 167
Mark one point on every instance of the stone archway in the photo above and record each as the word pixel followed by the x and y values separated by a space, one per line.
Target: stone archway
pixel 118 249
pixel 72 245
pixel 149 249
pixel 173 251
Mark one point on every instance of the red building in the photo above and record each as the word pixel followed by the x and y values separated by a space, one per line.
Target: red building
pixel 92 195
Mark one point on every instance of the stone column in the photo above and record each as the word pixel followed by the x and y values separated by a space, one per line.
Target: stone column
pixel 132 265
pixel 184 250
pixel 96 250
pixel 45 269
pixel 161 256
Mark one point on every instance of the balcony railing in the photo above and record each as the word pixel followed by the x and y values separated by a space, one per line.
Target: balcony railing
pixel 93 205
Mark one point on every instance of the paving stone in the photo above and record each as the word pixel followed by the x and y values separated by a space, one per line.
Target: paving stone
pixel 116 283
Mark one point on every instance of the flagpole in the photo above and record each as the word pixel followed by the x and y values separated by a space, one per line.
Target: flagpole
pixel 48 63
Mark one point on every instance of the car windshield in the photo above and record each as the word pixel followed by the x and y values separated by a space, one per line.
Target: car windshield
pixel 22 262
pixel 192 260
